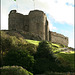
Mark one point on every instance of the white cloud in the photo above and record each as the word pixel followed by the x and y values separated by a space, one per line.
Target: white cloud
pixel 71 42
pixel 58 10
pixel 51 27
pixel 4 21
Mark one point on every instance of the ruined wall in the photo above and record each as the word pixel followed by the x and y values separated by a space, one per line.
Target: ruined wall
pixel 58 38
pixel 37 24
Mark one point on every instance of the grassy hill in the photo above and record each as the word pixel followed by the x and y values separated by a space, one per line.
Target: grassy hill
pixel 12 40
pixel 65 57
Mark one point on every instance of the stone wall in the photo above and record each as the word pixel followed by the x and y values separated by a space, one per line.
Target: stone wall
pixel 58 38
pixel 26 23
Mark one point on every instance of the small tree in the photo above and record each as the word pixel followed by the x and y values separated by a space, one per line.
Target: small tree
pixel 44 50
pixel 44 58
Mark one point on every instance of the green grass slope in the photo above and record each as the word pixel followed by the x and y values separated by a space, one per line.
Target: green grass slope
pixel 67 58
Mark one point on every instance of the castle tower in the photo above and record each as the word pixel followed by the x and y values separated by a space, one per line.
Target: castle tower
pixel 16 21
pixel 37 23
pixel 11 20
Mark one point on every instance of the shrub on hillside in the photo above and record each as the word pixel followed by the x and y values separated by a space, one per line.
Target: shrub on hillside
pixel 31 48
pixel 9 42
pixel 14 70
pixel 5 44
pixel 45 60
pixel 20 58
pixel 44 50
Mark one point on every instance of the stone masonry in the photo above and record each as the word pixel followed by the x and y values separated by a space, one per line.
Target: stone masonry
pixel 58 38
pixel 36 22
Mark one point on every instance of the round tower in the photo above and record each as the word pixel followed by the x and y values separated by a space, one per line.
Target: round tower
pixel 37 23
pixel 16 20
pixel 10 20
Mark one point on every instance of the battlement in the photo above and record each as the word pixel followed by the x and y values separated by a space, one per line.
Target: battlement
pixel 36 23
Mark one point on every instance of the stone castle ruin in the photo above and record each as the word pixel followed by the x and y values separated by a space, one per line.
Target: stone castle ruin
pixel 35 22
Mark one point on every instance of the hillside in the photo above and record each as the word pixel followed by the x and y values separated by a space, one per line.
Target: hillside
pixel 12 41
pixel 21 34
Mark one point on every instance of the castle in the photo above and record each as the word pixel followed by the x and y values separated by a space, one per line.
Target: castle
pixel 35 22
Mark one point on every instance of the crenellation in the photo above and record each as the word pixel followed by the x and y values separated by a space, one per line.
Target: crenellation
pixel 58 35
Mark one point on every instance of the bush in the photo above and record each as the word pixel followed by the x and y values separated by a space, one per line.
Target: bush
pixel 41 65
pixel 20 58
pixel 44 50
pixel 45 60
pixel 14 70
pixel 44 64
pixel 31 48
pixel 5 44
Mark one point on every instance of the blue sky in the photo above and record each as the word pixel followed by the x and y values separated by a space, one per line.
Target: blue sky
pixel 60 14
